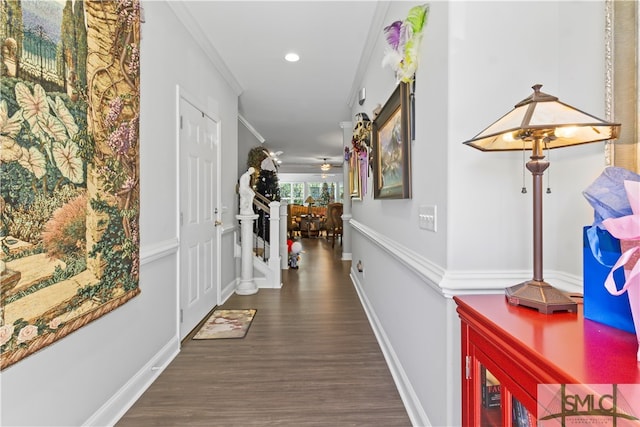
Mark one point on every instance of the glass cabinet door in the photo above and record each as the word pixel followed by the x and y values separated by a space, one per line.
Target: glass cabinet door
pixel 520 416
pixel 490 398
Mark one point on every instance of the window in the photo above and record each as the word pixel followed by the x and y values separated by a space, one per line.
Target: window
pixel 315 191
pixel 292 192
pixel 322 192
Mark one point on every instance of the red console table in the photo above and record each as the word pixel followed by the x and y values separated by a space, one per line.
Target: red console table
pixel 519 348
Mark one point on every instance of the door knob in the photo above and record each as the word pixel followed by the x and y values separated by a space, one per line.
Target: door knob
pixel 217 223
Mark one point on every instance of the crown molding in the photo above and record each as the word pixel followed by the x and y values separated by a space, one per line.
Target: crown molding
pixel 181 11
pixel 250 128
pixel 377 23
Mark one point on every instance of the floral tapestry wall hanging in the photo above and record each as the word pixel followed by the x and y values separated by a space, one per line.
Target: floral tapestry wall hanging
pixel 69 147
pixel 404 38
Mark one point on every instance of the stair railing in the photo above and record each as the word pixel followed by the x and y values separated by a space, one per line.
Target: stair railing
pixel 261 229
pixel 269 238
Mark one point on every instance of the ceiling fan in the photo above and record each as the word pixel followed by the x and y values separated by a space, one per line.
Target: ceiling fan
pixel 275 155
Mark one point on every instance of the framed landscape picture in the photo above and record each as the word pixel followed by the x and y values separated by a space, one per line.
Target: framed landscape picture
pixel 391 147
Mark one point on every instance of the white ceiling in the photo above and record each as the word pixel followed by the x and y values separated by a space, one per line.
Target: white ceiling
pixel 296 107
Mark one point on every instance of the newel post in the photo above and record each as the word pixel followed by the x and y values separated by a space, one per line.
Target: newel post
pixel 246 286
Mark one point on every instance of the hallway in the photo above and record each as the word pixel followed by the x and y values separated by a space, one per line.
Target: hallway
pixel 310 358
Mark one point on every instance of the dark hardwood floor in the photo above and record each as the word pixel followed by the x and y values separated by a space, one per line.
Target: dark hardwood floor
pixel 310 358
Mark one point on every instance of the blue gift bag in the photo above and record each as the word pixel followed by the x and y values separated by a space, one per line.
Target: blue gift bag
pixel 599 304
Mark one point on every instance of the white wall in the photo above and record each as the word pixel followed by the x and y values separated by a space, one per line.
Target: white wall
pixel 567 57
pixel 478 59
pixel 90 376
pixel 402 263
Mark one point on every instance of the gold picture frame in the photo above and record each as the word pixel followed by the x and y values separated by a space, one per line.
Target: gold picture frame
pixel 622 81
pixel 391 147
pixel 355 185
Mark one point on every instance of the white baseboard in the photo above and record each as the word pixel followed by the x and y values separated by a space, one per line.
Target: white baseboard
pixel 228 290
pixel 412 404
pixel 123 400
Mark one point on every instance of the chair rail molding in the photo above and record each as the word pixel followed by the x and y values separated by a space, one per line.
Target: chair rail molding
pixel 428 271
pixel 494 281
pixel 155 251
pixel 451 283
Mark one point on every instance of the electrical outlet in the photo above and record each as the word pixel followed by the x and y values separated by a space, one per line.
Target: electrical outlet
pixel 427 218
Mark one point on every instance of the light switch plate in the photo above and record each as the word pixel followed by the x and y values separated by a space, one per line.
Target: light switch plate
pixel 427 217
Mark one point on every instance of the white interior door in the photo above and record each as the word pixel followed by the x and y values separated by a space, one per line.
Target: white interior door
pixel 199 238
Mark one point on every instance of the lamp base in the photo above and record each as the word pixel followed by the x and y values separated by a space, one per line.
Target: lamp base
pixel 540 296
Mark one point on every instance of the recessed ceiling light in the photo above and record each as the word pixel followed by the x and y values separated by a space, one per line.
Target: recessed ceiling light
pixel 292 57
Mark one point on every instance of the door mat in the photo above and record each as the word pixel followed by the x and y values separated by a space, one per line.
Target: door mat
pixel 226 324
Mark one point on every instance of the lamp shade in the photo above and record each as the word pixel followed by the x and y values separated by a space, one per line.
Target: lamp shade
pixel 309 200
pixel 543 117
